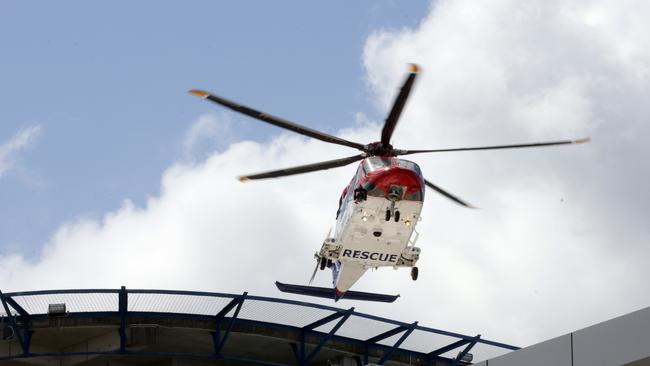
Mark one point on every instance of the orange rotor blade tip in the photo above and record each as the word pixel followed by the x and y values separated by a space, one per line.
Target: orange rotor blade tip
pixel 199 93
pixel 414 68
pixel 582 141
pixel 243 179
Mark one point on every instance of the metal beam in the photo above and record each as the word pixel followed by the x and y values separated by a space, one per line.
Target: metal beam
pixel 466 350
pixel 11 302
pixel 226 309
pixel 218 341
pixel 123 309
pixel 387 334
pixel 324 320
pixel 24 339
pixel 365 354
pixel 314 325
pixel 450 347
pixel 216 336
pixel 301 352
pixel 294 349
pixel 326 339
pixel 398 343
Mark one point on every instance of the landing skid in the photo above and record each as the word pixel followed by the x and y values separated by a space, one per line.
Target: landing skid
pixel 330 293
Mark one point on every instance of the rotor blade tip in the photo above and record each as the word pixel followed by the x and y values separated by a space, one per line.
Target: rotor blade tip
pixel 582 141
pixel 199 93
pixel 243 179
pixel 414 68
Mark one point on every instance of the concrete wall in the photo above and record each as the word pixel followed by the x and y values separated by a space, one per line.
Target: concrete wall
pixel 619 341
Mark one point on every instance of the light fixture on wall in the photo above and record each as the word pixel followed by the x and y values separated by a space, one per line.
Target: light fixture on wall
pixel 56 310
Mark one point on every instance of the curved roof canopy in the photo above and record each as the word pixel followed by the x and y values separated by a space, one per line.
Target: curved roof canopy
pixel 92 327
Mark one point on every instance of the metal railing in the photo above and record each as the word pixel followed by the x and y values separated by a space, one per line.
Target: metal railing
pixel 20 309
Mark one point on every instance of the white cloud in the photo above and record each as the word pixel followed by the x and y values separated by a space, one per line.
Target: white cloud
pixel 561 240
pixel 208 132
pixel 562 230
pixel 19 141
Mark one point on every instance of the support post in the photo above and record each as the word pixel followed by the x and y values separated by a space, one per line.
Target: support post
pixel 399 342
pixel 314 352
pixel 218 341
pixel 466 350
pixel 296 353
pixel 302 346
pixel 11 302
pixel 314 325
pixel 24 339
pixel 123 308
pixel 365 355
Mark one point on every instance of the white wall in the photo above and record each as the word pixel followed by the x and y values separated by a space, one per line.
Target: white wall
pixel 615 342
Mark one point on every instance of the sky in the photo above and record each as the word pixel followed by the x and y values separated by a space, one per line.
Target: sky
pixel 110 174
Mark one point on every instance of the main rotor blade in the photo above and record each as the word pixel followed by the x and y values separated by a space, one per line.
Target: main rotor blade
pixel 304 168
pixel 398 105
pixel 447 194
pixel 496 147
pixel 276 121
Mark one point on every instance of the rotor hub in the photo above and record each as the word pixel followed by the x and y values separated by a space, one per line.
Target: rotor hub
pixel 379 149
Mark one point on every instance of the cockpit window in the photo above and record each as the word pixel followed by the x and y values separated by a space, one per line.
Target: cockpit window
pixel 408 165
pixel 376 163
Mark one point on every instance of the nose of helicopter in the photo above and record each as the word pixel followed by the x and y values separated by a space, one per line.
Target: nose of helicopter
pixel 412 183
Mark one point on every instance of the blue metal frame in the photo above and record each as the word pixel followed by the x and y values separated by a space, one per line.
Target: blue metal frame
pixel 462 354
pixel 24 339
pixel 386 334
pixel 307 359
pixel 398 343
pixel 448 348
pixel 342 315
pixel 236 303
pixel 123 309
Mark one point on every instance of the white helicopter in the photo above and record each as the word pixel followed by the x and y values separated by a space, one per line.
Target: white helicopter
pixel 379 208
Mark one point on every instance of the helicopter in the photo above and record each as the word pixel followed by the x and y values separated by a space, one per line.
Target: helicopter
pixel 380 207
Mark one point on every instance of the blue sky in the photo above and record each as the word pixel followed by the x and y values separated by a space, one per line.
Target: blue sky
pixel 107 83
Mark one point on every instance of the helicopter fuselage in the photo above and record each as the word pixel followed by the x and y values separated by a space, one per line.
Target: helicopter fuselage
pixel 376 220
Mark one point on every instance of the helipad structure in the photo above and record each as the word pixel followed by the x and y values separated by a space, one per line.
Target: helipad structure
pixel 120 327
